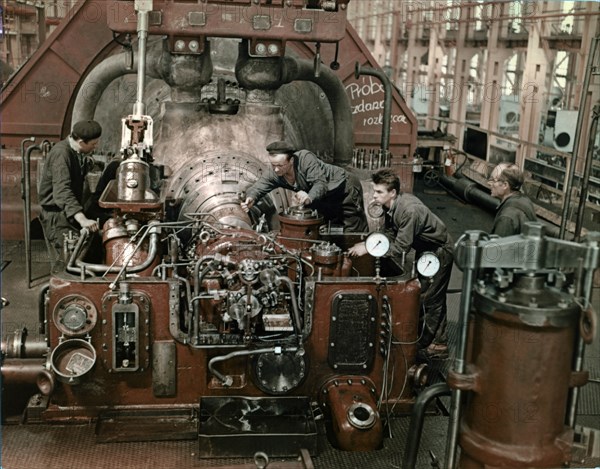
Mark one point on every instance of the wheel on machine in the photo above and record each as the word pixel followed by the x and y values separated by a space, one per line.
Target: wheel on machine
pixel 431 178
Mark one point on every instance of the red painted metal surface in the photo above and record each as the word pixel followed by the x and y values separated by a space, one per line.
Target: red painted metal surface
pixel 513 414
pixel 233 19
pixel 105 388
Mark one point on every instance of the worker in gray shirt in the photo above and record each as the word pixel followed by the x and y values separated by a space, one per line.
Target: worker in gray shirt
pixel 331 190
pixel 409 224
pixel 61 187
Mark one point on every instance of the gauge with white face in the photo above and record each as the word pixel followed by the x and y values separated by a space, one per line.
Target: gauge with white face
pixel 377 244
pixel 428 264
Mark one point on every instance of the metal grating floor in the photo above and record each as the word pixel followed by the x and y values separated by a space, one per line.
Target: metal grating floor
pixel 74 447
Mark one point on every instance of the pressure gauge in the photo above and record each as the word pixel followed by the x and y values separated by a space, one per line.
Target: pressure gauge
pixel 377 244
pixel 428 264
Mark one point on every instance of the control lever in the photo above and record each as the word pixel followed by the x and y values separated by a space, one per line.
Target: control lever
pixel 317 62
pixel 335 65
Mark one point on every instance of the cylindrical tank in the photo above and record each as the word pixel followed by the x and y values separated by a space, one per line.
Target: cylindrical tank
pixel 329 260
pixel 519 376
pixel 133 178
pixel 299 224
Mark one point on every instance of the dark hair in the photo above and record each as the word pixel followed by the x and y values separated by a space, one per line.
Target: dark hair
pixel 513 176
pixel 279 147
pixel 387 178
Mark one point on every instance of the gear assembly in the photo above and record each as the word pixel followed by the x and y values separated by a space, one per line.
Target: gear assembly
pixel 190 303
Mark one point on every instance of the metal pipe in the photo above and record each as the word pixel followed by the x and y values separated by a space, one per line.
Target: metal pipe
pixel 296 312
pixel 588 284
pixel 76 265
pixel 143 8
pixel 18 344
pixel 42 308
pixel 387 101
pixel 469 192
pixel 97 81
pixel 272 73
pixel 26 196
pixel 28 371
pixel 417 417
pixel 573 164
pixel 228 380
pixel 469 239
pixel 332 86
pixel 587 171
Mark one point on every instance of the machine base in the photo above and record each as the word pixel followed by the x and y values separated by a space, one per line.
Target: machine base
pixel 240 426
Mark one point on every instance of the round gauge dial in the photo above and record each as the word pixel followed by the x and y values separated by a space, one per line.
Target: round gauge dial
pixel 377 244
pixel 428 264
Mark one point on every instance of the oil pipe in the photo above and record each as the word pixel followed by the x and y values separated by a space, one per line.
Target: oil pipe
pixel 18 344
pixel 417 418
pixel 228 380
pixel 468 191
pixel 28 371
pixel 26 196
pixel 76 265
pixel 387 101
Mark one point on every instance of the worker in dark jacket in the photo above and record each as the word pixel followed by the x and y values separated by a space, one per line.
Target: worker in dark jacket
pixel 331 190
pixel 62 184
pixel 515 208
pixel 410 224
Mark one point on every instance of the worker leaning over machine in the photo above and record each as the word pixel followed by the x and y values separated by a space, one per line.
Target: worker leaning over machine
pixel 410 224
pixel 332 191
pixel 61 187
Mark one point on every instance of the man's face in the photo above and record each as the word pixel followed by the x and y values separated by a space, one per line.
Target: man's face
pixel 382 196
pixel 498 185
pixel 281 163
pixel 88 147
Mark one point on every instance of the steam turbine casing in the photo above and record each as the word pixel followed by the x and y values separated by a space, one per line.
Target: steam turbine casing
pixel 212 159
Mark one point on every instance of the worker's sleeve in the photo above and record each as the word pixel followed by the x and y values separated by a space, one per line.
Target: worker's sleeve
pixel 262 186
pixel 314 175
pixel 408 224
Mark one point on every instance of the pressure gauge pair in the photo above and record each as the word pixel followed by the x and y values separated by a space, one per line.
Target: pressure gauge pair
pixel 378 245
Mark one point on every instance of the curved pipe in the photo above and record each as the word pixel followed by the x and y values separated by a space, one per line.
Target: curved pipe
pixel 416 422
pixel 296 315
pixel 28 371
pixel 271 73
pixel 26 196
pixel 387 101
pixel 160 64
pixel 228 380
pixel 107 269
pixel 98 80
